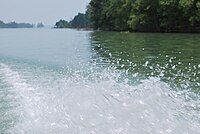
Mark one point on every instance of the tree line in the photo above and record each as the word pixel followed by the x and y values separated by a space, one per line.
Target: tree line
pixel 146 15
pixel 139 16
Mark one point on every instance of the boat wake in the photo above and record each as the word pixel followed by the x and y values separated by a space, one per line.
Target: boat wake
pixel 98 103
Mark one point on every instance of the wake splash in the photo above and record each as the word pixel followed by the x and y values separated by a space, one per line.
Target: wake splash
pixel 100 104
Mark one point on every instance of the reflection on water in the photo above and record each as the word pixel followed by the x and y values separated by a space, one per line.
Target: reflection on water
pixel 172 57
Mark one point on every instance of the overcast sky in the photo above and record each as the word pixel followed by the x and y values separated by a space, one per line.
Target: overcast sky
pixel 46 11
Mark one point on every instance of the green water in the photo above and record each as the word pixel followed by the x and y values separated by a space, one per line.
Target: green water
pixel 70 81
pixel 173 57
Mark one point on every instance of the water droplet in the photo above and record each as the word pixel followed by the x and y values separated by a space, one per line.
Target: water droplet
pixel 174 67
pixel 146 63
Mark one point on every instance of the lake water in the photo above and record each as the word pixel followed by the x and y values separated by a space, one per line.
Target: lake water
pixel 67 81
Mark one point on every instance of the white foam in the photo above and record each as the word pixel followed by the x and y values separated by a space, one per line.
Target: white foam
pixel 78 105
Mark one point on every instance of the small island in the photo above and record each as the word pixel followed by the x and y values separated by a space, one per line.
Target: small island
pixel 15 25
pixel 20 25
pixel 40 25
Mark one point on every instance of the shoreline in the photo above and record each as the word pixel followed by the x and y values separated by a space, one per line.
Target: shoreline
pixel 92 29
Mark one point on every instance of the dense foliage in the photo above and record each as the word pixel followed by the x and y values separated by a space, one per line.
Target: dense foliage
pixel 62 24
pixel 79 21
pixel 146 15
pixel 15 25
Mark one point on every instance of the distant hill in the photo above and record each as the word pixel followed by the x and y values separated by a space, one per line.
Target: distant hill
pixel 15 25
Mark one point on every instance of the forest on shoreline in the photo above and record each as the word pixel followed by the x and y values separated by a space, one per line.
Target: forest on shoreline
pixel 139 16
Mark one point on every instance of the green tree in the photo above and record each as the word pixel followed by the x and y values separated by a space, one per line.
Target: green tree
pixel 144 16
pixel 96 7
pixel 191 12
pixel 170 15
pixel 80 21
pixel 62 24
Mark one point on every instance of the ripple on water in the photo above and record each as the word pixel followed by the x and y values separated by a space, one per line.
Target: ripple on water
pixel 96 103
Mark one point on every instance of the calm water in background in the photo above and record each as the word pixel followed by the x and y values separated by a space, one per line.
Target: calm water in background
pixel 68 81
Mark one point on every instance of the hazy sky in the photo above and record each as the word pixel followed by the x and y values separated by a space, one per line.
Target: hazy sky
pixel 46 11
